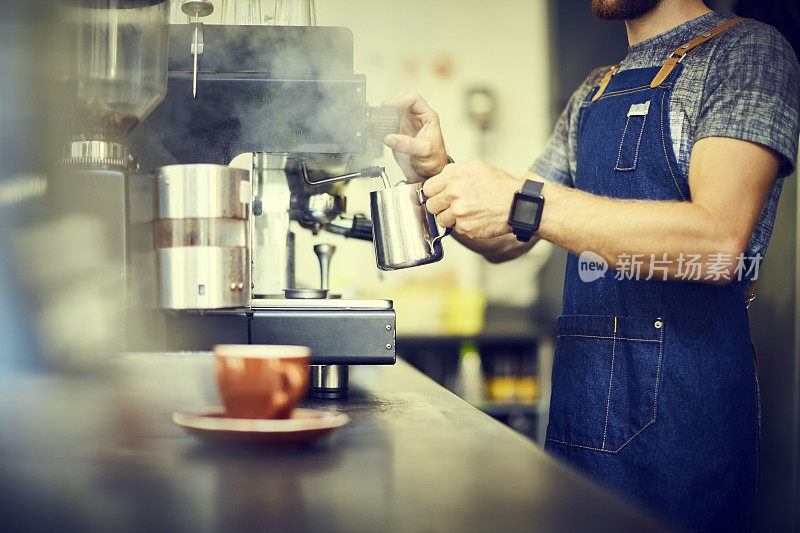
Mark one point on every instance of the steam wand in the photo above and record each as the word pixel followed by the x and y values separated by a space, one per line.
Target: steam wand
pixel 197 9
pixel 368 172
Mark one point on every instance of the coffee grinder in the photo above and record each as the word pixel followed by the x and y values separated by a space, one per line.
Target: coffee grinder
pixel 113 77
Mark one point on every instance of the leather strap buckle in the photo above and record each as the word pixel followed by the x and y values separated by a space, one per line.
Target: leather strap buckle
pixel 750 300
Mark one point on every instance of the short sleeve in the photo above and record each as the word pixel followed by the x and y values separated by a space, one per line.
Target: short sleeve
pixel 553 164
pixel 556 163
pixel 752 93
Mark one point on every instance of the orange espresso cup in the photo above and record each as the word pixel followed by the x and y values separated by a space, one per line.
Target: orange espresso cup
pixel 261 381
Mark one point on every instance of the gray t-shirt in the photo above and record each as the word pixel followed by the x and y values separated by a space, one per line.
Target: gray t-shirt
pixel 744 83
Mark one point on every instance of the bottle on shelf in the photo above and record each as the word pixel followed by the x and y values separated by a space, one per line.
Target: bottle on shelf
pixel 502 383
pixel 470 382
pixel 527 385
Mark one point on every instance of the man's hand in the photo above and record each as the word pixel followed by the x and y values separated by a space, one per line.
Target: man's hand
pixel 472 198
pixel 419 148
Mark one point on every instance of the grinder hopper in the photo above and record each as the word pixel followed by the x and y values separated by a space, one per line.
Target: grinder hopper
pixel 116 76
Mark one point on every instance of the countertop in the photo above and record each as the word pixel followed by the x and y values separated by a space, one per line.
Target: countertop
pixel 98 452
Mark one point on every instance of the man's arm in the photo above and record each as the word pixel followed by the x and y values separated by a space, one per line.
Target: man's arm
pixel 729 181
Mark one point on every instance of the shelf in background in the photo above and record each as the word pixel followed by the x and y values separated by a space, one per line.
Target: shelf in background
pixel 511 345
pixel 502 324
pixel 493 408
pixel 490 337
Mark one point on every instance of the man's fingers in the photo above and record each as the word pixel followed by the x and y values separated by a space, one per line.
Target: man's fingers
pixel 446 219
pixel 408 100
pixel 408 145
pixel 402 100
pixel 437 204
pixel 434 185
pixel 412 102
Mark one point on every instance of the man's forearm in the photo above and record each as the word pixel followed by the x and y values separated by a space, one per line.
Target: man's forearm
pixel 617 230
pixel 498 249
pixel 729 181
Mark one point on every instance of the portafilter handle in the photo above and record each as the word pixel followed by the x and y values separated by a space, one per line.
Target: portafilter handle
pixel 324 254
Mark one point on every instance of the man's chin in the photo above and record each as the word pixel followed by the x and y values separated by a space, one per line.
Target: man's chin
pixel 622 9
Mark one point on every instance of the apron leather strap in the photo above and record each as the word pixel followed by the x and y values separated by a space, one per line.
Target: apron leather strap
pixel 750 294
pixel 606 80
pixel 682 51
pixel 672 61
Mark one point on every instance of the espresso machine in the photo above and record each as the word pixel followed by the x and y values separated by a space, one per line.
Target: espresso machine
pixel 224 238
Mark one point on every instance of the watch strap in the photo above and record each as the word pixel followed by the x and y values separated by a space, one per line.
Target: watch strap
pixel 532 188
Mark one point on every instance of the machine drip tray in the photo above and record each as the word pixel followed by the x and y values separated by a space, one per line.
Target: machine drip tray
pixel 339 332
pixel 336 335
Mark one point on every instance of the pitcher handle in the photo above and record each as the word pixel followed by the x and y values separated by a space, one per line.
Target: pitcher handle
pixel 438 238
pixel 447 231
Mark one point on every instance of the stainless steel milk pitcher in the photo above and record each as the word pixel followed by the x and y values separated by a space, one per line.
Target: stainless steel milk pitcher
pixel 405 234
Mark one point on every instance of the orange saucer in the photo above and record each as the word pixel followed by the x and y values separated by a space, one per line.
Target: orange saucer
pixel 305 425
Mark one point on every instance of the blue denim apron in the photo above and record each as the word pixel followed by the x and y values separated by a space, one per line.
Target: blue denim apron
pixel 654 389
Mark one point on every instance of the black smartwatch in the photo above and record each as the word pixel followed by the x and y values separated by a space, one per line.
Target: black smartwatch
pixel 526 210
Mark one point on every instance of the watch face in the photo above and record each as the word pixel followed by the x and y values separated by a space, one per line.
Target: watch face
pixel 525 211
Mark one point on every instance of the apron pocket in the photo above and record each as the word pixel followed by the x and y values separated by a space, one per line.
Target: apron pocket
pixel 632 137
pixel 605 380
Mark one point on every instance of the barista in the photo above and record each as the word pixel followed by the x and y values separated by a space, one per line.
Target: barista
pixel 662 180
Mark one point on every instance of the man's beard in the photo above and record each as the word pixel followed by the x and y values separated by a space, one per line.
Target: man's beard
pixel 622 9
